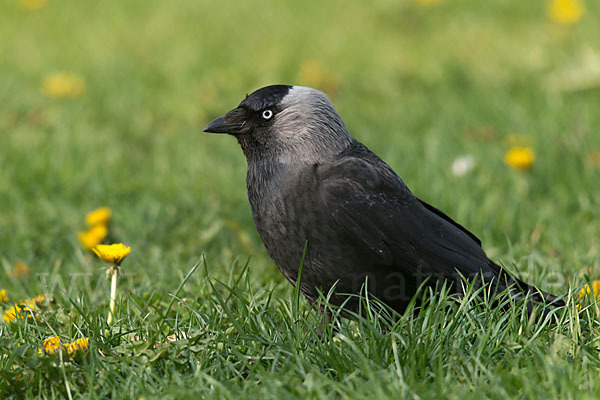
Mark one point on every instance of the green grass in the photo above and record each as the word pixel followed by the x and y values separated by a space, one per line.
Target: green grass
pixel 420 86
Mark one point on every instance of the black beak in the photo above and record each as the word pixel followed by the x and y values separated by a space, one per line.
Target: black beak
pixel 234 122
pixel 220 126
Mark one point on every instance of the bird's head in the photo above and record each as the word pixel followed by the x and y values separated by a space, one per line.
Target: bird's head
pixel 286 124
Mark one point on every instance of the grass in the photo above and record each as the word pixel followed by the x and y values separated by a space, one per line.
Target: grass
pixel 420 86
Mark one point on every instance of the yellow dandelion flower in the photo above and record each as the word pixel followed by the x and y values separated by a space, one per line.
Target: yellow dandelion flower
pixel 63 84
pixel 565 12
pixel 115 254
pixel 13 313
pixel 594 289
pixel 52 345
pixel 80 345
pixel 92 237
pixel 3 296
pixel 38 300
pixel 32 5
pixel 100 216
pixel 24 309
pixel 520 158
pixel 27 304
pixel 112 253
pixel 20 270
pixel 32 304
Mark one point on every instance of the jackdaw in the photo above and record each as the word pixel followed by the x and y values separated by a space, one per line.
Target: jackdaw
pixel 320 196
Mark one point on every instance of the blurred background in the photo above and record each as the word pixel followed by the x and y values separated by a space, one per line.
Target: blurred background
pixel 103 103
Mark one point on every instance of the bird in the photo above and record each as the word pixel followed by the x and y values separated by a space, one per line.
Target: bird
pixel 336 219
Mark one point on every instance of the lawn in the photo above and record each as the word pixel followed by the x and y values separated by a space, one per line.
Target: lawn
pixel 102 104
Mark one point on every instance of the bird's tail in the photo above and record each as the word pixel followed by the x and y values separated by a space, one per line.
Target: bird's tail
pixel 520 291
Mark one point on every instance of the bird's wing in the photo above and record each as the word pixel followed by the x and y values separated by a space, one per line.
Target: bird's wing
pixel 443 215
pixel 377 211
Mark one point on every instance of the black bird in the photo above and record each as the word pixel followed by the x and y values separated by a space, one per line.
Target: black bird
pixel 311 184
